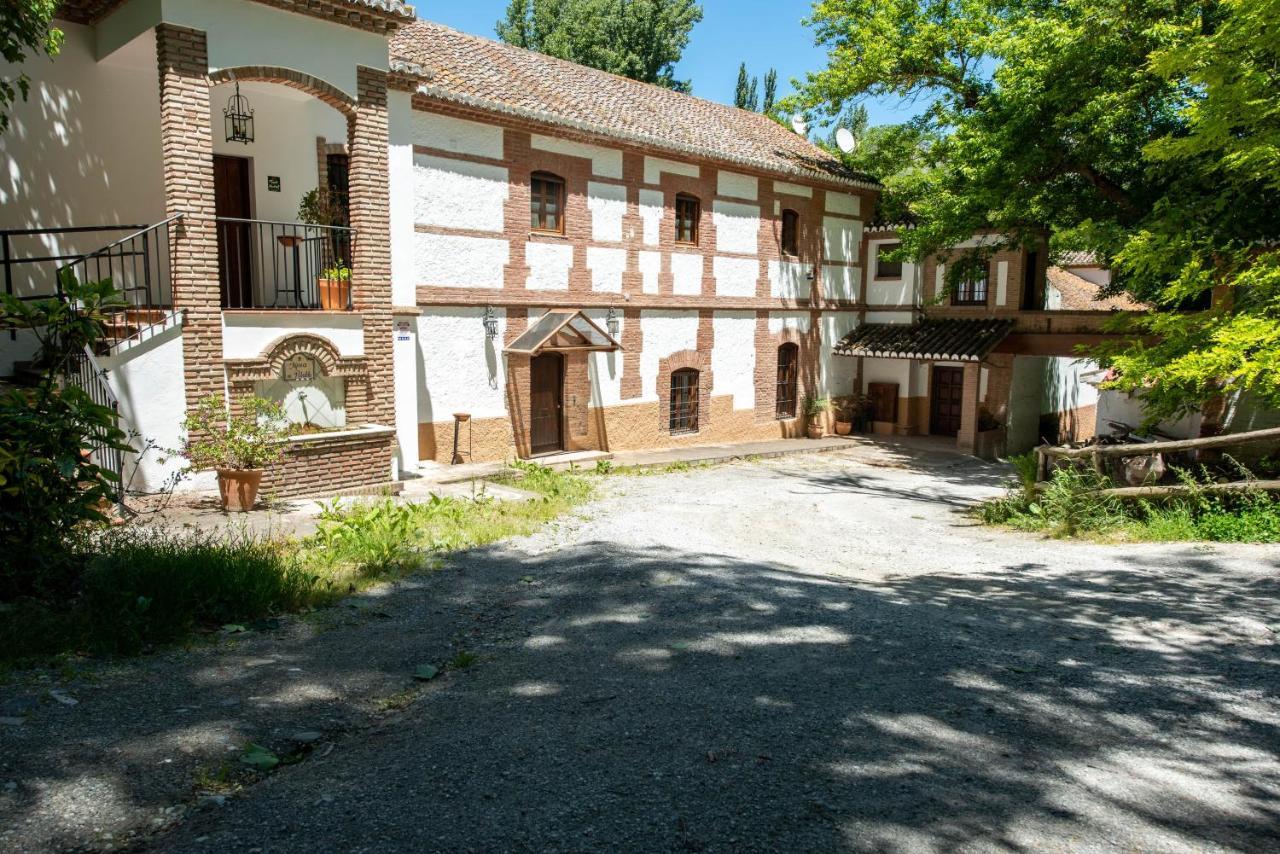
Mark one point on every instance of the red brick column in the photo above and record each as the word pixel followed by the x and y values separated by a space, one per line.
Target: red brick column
pixel 967 438
pixel 186 143
pixel 371 254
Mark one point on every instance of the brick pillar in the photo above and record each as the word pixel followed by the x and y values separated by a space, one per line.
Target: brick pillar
pixel 967 438
pixel 371 255
pixel 186 143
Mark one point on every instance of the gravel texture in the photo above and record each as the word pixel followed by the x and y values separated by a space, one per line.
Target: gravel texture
pixel 804 654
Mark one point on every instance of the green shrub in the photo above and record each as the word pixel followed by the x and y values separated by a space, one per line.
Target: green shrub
pixel 373 538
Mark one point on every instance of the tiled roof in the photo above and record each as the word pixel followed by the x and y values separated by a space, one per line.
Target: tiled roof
pixel 958 340
pixel 492 76
pixel 1080 294
pixel 89 11
pixel 1078 258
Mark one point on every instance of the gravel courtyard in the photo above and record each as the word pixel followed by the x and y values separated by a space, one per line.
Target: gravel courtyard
pixel 809 653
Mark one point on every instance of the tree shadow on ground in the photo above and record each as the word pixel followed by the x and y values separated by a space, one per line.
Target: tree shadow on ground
pixel 662 700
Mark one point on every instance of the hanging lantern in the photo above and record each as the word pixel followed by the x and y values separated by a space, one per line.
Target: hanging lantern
pixel 490 323
pixel 239 118
pixel 611 322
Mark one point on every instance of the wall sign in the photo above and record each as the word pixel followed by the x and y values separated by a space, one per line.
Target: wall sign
pixel 299 368
pixel 273 183
pixel 403 330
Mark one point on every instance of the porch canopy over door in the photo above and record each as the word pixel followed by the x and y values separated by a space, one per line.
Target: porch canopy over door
pixel 563 330
pixel 930 340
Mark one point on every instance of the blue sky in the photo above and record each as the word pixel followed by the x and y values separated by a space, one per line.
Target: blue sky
pixel 762 33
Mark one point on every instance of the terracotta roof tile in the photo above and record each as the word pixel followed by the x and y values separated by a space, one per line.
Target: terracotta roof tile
pixel 493 76
pixel 961 340
pixel 1080 294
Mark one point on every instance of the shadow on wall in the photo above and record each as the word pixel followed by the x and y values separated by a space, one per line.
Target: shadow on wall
pixel 695 699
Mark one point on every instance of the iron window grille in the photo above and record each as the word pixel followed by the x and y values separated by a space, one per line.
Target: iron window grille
pixel 971 287
pixel 788 374
pixel 684 401
pixel 546 203
pixel 688 210
pixel 790 232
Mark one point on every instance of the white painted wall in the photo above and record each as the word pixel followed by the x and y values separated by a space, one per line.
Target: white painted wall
pixel 549 265
pixel 462 370
pixel 840 238
pixel 797 320
pixel 605 369
pixel 737 227
pixel 890 317
pixel 459 262
pixel 605 162
pixel 737 186
pixel 789 280
pixel 881 290
pixel 409 375
pixel 733 358
pixel 651 214
pixel 458 194
pixel 840 282
pixel 837 373
pixel 248 335
pixel 84 149
pixel 608 205
pixel 606 266
pixel 650 268
pixel 846 204
pixel 401 201
pixel 786 188
pixel 663 333
pixel 321 400
pixel 686 273
pixel 458 135
pixel 1002 282
pixel 735 277
pixel 887 371
pixel 655 166
pixel 149 382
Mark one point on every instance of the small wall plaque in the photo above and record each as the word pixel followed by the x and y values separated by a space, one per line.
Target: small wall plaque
pixel 299 368
pixel 273 183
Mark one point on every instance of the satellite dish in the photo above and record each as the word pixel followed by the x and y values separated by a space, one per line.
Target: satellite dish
pixel 845 140
pixel 799 125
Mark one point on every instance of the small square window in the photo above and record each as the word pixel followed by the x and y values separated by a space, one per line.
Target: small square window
pixel 971 287
pixel 887 269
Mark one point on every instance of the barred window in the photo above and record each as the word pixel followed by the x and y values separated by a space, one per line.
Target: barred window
pixel 684 401
pixel 688 210
pixel 788 370
pixel 546 202
pixel 971 286
pixel 790 233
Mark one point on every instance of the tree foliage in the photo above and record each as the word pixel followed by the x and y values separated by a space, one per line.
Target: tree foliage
pixel 1146 131
pixel 24 29
pixel 770 91
pixel 640 39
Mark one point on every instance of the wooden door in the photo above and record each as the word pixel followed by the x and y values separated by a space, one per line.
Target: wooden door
pixel 546 400
pixel 235 250
pixel 946 401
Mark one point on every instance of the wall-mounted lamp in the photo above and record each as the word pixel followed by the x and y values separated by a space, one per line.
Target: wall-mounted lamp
pixel 611 322
pixel 238 117
pixel 490 323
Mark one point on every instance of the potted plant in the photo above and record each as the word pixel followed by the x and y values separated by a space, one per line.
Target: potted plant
pixel 335 287
pixel 817 409
pixel 238 447
pixel 845 412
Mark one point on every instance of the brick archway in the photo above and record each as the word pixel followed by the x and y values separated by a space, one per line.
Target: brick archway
pixel 326 92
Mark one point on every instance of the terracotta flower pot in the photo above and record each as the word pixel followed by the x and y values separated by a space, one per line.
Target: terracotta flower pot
pixel 335 294
pixel 844 428
pixel 814 430
pixel 239 488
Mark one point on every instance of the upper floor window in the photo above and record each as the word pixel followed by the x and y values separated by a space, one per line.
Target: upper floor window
pixel 790 232
pixel 971 285
pixel 688 211
pixel 788 373
pixel 684 401
pixel 886 269
pixel 546 202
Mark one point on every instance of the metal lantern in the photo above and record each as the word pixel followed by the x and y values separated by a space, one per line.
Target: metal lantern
pixel 239 118
pixel 611 322
pixel 490 323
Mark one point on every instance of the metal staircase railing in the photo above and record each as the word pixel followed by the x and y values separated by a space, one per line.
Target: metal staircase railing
pixel 84 372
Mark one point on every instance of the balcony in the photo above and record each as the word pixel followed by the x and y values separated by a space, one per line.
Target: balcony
pixel 284 265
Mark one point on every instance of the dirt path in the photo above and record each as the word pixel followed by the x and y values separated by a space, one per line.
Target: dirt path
pixel 809 653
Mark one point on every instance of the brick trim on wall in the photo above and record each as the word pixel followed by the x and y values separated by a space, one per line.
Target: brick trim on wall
pixel 700 362
pixel 326 92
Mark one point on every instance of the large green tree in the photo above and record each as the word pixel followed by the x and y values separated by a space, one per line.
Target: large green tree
pixel 1144 130
pixel 24 30
pixel 640 39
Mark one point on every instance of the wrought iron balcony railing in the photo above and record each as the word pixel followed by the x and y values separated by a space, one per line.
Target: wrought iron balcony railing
pixel 284 265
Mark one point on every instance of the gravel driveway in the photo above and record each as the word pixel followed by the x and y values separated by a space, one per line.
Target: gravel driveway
pixel 804 654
